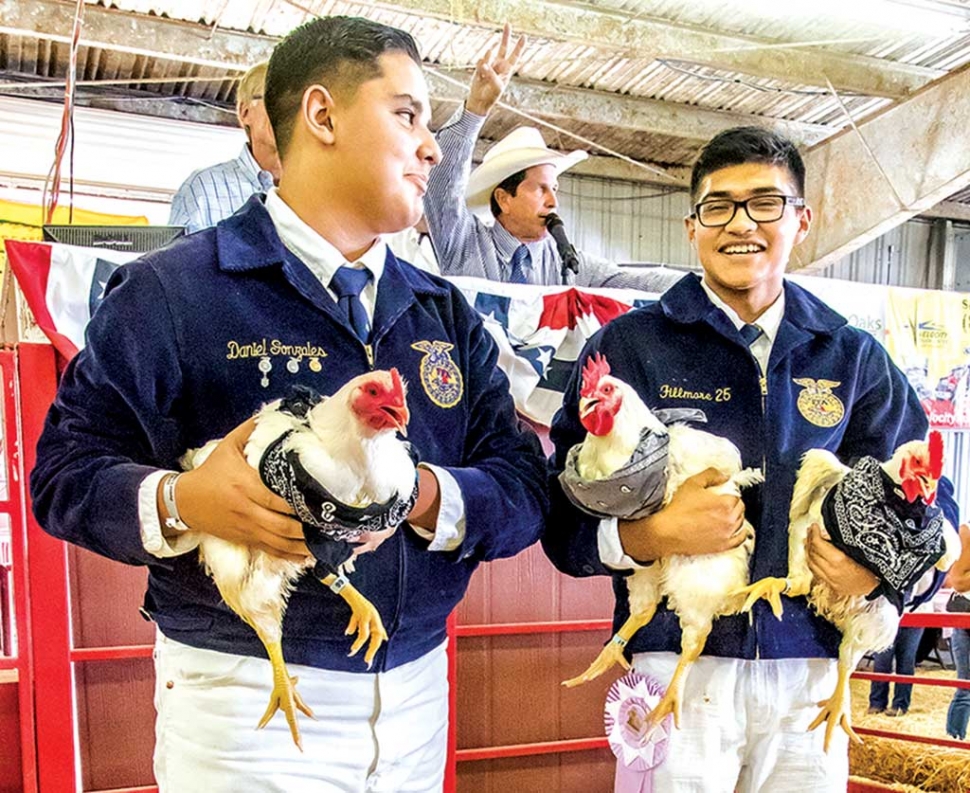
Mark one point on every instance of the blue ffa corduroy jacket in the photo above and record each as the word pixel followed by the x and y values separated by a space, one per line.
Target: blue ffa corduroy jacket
pixel 193 339
pixel 684 352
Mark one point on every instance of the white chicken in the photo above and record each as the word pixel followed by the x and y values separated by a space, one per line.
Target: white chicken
pixel 698 588
pixel 348 444
pixel 866 625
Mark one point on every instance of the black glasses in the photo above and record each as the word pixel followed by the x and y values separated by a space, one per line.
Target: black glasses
pixel 761 209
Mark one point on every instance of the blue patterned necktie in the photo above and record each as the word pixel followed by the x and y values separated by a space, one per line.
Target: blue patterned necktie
pixel 750 334
pixel 520 259
pixel 347 283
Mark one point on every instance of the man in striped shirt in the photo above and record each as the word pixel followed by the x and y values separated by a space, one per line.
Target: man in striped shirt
pixel 214 193
pixel 517 182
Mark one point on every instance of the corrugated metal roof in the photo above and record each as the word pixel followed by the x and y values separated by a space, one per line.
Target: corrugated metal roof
pixel 685 81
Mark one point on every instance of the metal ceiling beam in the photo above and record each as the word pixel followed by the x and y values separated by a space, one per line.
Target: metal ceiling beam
pixel 556 102
pixel 614 169
pixel 643 38
pixel 138 34
pixel 948 210
pixel 902 162
pixel 640 38
pixel 143 103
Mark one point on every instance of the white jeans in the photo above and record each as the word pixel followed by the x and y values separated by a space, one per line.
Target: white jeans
pixel 744 727
pixel 375 733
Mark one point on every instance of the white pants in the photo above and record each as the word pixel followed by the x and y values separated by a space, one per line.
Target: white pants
pixel 375 733
pixel 744 727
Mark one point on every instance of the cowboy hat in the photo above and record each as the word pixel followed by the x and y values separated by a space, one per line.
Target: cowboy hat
pixel 520 149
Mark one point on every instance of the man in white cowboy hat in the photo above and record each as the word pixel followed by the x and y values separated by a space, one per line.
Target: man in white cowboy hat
pixel 515 185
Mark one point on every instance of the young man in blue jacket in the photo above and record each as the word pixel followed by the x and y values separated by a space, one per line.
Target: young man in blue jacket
pixel 751 696
pixel 191 340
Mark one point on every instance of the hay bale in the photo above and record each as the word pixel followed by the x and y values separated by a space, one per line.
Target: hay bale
pixel 914 766
pixel 926 768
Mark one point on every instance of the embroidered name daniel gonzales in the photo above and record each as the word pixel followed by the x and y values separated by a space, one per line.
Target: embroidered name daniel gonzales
pixel 262 347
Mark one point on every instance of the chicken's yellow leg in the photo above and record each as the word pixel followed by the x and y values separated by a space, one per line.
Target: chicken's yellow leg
pixel 837 709
pixel 613 652
pixel 284 696
pixel 691 646
pixel 365 620
pixel 771 589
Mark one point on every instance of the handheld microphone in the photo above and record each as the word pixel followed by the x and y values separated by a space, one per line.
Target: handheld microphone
pixel 570 260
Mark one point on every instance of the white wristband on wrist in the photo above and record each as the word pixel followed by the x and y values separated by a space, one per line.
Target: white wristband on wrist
pixel 174 520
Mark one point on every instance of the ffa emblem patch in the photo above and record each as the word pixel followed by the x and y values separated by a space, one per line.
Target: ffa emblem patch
pixel 440 376
pixel 817 403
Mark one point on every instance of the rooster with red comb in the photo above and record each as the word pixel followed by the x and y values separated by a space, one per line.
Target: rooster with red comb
pixel 339 464
pixel 631 463
pixel 879 515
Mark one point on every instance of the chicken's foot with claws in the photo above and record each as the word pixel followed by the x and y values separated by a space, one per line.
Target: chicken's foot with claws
pixel 836 710
pixel 284 696
pixel 771 589
pixel 365 620
pixel 612 653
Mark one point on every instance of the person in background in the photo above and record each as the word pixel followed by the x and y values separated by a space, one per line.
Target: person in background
pixel 214 193
pixel 517 183
pixel 958 579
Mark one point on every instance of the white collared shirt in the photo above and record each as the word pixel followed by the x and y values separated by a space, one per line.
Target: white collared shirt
pixel 769 322
pixel 321 258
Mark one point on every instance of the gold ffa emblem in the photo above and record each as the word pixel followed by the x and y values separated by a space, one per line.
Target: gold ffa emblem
pixel 817 403
pixel 440 376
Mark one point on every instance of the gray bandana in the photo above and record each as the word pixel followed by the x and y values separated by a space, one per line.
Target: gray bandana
pixel 637 488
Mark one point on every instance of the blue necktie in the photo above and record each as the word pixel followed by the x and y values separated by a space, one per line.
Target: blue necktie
pixel 520 259
pixel 750 334
pixel 348 283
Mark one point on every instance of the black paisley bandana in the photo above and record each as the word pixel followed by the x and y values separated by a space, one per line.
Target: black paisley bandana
pixel 637 488
pixel 330 527
pixel 869 519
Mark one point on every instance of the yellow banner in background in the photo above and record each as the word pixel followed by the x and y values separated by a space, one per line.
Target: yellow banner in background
pixel 928 336
pixel 33 215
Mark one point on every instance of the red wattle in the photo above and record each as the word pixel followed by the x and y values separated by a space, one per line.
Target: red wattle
pixel 598 423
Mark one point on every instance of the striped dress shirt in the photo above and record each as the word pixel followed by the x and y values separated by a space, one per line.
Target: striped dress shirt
pixel 214 193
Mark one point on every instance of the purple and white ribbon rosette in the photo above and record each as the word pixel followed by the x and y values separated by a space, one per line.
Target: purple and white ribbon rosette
pixel 628 703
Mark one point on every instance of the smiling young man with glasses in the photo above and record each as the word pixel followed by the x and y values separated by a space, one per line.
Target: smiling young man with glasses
pixel 778 372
